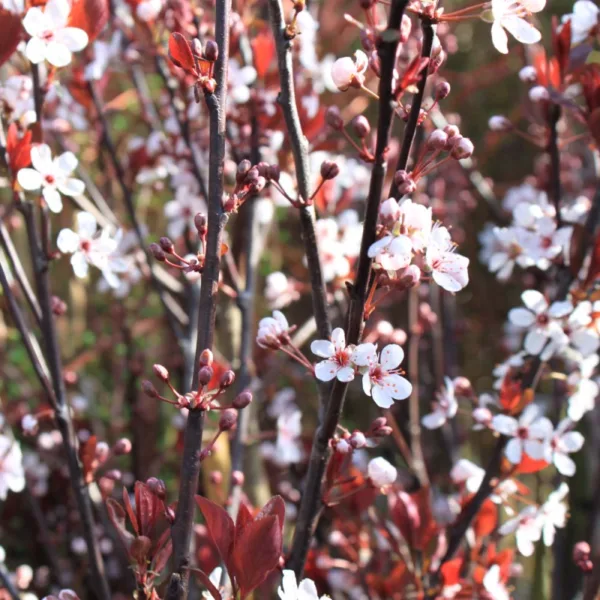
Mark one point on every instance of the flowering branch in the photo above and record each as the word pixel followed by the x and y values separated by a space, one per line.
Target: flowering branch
pixel 190 465
pixel 311 500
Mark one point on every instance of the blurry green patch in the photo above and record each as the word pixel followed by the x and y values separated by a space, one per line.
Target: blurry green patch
pixel 593 57
pixel 88 338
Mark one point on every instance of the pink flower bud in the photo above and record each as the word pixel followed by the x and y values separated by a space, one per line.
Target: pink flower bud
pixel 205 374
pixel 102 451
pixel 343 447
pixel 237 478
pixel 528 74
pixel 157 487
pixel 242 170
pixel 58 306
pixel 161 372
pixel 329 170
pixel 442 90
pixel 361 126
pixel 499 123
pixel 462 387
pixel 157 252
pixel 242 400
pixel 211 51
pixel 437 140
pixel 113 474
pixel 227 379
pixel 228 419
pixel 201 224
pixel 166 244
pixel 409 277
pixel 389 209
pixel 463 149
pixel 206 358
pixel 121 447
pixel 358 439
pixel 539 94
pixel 451 131
pixel 149 389
pixel 347 72
pixel 333 118
pixel 216 477
pixel 29 424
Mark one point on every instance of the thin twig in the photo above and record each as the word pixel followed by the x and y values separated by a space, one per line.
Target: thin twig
pixel 417 101
pixel 554 185
pixel 190 464
pixel 299 144
pixel 311 503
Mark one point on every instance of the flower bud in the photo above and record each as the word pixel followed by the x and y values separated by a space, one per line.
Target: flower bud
pixel 361 126
pixel 216 477
pixel 228 419
pixel 258 185
pixel 442 90
pixel 273 173
pixel 528 74
pixel 170 515
pixel 343 446
pixel 333 118
pixel 58 306
pixel 121 447
pixel 462 387
pixel 166 244
pixel 197 47
pixel 582 556
pixel 409 277
pixel 451 131
pixel 157 487
pixel 114 474
pixel 205 374
pixel 242 170
pixel 161 372
pixel 358 440
pixel 499 123
pixel 436 62
pixel 437 139
pixel 237 478
pixel 157 252
pixel 463 149
pixel 242 400
pixel 211 51
pixel 329 170
pixel 102 451
pixel 206 358
pixel 539 94
pixel 201 224
pixel 381 472
pixel 347 71
pixel 149 389
pixel 227 379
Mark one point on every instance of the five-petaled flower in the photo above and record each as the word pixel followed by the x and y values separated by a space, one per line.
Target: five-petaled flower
pixel 448 268
pixel 508 14
pixel 88 247
pixel 529 434
pixel 51 176
pixel 51 39
pixel 444 407
pixel 337 355
pixel 381 380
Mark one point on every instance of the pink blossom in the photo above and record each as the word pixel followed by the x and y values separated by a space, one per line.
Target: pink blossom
pixel 445 407
pixel 347 72
pixel 448 268
pixel 338 357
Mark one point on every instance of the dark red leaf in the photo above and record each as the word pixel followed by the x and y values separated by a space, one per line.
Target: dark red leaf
pixel 18 148
pixel 486 520
pixel 10 26
pixel 244 517
pixel 263 47
pixel 162 556
pixel 451 571
pixel 140 549
pixel 148 506
pixel 562 45
pixel 220 527
pixel 257 553
pixel 180 53
pixel 130 512
pixel 89 15
pixel 116 513
pixel 276 507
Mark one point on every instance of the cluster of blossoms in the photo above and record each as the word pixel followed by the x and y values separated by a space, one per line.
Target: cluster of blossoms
pixel 408 233
pixel 532 240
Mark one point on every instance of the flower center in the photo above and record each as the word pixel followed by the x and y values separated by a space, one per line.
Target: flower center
pixel 85 245
pixel 546 242
pixel 523 433
pixel 50 179
pixel 543 319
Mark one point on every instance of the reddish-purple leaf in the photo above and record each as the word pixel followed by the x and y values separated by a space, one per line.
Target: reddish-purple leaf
pixel 220 527
pixel 257 552
pixel 162 556
pixel 276 507
pixel 148 506
pixel 140 548
pixel 130 512
pixel 180 53
pixel 244 517
pixel 10 25
pixel 89 15
pixel 116 514
pixel 18 148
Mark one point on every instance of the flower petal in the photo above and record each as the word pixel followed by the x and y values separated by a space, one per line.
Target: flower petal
pixel 505 425
pixel 326 370
pixel 564 464
pixel 72 187
pixel 53 199
pixel 391 357
pixel 514 451
pixel 35 50
pixel 322 348
pixel 41 158
pixel 67 241
pixel 58 54
pixel 86 224
pixel 29 179
pixel 73 38
pixel 521 30
pixel 499 38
